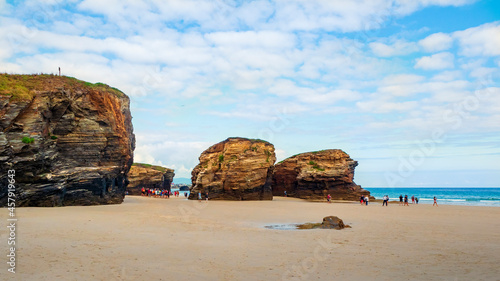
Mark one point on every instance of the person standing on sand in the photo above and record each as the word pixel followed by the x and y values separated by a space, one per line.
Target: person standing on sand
pixel 362 200
pixel 329 198
pixel 435 202
pixel 416 200
pixel 406 200
pixel 367 198
pixel 199 196
pixel 206 196
pixel 386 200
pixel 413 199
pixel 401 200
pixel 285 193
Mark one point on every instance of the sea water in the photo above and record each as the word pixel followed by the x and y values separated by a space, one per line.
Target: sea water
pixel 447 196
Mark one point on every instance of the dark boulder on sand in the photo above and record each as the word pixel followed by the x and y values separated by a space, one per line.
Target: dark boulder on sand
pixel 330 222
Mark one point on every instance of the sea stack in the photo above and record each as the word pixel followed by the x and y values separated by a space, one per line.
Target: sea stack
pixel 69 142
pixel 314 175
pixel 235 169
pixel 148 176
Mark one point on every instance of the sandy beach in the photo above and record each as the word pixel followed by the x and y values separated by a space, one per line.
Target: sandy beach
pixel 177 239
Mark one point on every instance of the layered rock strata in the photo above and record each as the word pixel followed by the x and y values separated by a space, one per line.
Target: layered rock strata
pixel 148 176
pixel 314 175
pixel 69 142
pixel 235 169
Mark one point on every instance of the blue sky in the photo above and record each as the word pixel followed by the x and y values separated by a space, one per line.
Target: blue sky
pixel 407 88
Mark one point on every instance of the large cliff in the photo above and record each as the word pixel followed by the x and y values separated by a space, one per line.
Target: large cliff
pixel 314 175
pixel 69 142
pixel 235 169
pixel 148 176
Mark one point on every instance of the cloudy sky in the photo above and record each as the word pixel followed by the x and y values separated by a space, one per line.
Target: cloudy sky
pixel 409 88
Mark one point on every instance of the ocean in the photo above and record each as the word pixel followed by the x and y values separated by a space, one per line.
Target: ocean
pixel 446 196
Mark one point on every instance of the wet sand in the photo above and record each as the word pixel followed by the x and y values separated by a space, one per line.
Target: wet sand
pixel 177 239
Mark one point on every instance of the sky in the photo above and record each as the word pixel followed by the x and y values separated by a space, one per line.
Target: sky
pixel 408 88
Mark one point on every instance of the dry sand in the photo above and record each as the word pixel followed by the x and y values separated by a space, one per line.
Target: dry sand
pixel 176 239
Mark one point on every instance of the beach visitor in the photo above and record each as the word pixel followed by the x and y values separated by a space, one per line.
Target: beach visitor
pixel 329 198
pixel 406 200
pixel 416 200
pixel 401 199
pixel 386 200
pixel 285 193
pixel 199 196
pixel 362 200
pixel 413 199
pixel 206 196
pixel 435 202
pixel 186 194
pixel 367 198
pixel 143 191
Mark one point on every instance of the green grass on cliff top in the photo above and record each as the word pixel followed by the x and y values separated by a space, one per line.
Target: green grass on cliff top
pixel 158 168
pixel 24 86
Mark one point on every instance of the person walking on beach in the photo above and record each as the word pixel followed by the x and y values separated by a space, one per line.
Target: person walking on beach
pixel 406 200
pixel 413 199
pixel 367 198
pixel 285 193
pixel 362 200
pixel 435 202
pixel 401 200
pixel 386 200
pixel 329 198
pixel 416 200
pixel 199 196
pixel 206 196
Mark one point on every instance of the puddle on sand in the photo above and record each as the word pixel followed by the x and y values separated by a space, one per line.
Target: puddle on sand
pixel 282 226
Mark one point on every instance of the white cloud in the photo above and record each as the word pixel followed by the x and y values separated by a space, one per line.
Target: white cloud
pixel 160 149
pixel 447 76
pixel 436 42
pixel 398 48
pixel 483 40
pixel 436 61
pixel 381 106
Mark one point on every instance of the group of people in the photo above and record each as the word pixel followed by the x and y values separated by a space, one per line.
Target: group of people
pixel 155 192
pixel 403 201
pixel 200 197
pixel 363 200
pixel 160 193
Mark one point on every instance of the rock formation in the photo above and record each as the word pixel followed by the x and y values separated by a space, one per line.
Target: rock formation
pixel 235 169
pixel 330 222
pixel 69 142
pixel 148 176
pixel 183 187
pixel 314 175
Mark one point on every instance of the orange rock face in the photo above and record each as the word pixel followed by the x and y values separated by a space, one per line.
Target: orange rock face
pixel 148 176
pixel 314 175
pixel 235 169
pixel 69 142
